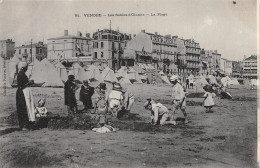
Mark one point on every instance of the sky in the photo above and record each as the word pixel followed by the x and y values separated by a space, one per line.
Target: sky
pixel 215 24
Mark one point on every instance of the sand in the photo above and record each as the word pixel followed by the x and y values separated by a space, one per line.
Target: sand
pixel 225 138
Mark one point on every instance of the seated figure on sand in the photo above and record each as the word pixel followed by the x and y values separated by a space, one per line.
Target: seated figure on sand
pixel 41 119
pixel 159 113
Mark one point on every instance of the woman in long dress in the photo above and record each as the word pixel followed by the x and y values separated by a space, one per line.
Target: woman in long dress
pixel 22 109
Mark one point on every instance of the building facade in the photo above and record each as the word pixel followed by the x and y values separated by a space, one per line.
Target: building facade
pixel 213 60
pixel 152 48
pixel 250 67
pixel 7 48
pixel 70 47
pixel 108 48
pixel 204 62
pixel 226 66
pixel 32 51
pixel 192 57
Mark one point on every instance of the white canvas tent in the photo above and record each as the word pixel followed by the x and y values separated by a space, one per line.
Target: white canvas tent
pixel 233 81
pixel 46 73
pixel 201 80
pixel 212 79
pixel 225 81
pixel 82 75
pixel 93 73
pixel 76 67
pixel 133 75
pixel 164 77
pixel 108 75
pixel 125 80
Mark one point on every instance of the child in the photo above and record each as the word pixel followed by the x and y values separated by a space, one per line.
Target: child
pixel 101 107
pixel 40 110
pixel 159 113
pixel 41 114
pixel 208 101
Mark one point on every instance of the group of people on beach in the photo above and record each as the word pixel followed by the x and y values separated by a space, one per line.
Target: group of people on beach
pixel 116 103
pixel 107 105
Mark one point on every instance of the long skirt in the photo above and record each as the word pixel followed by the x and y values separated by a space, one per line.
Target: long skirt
pixel 23 118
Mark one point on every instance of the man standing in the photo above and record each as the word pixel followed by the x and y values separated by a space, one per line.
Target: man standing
pixel 86 93
pixel 178 98
pixel 69 94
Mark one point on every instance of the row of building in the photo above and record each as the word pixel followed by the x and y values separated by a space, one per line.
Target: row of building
pixel 115 49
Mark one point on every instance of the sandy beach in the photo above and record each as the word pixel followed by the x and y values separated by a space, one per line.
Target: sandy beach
pixel 225 138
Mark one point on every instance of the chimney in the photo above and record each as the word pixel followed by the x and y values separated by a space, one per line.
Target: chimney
pixel 66 32
pixel 134 35
pixel 143 31
pixel 174 37
pixel 79 33
pixel 156 33
pixel 130 36
pixel 216 51
pixel 88 35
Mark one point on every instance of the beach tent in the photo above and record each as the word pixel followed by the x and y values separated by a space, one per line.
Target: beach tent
pixel 61 69
pixel 93 73
pixel 46 74
pixel 212 79
pixel 253 82
pixel 225 81
pixel 134 76
pixel 164 77
pixel 76 67
pixel 201 80
pixel 233 81
pixel 125 80
pixel 138 69
pixel 82 75
pixel 121 73
pixel 108 75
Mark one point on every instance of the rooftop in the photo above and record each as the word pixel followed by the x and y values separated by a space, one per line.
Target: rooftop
pixel 252 57
pixel 70 37
pixel 39 44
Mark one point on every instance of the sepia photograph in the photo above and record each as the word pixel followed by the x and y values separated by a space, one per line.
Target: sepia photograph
pixel 121 83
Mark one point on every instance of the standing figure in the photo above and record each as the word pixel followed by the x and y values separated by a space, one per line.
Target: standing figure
pixel 101 105
pixel 85 95
pixel 128 100
pixel 24 100
pixel 208 101
pixel 69 94
pixel 115 99
pixel 191 80
pixel 187 82
pixel 178 98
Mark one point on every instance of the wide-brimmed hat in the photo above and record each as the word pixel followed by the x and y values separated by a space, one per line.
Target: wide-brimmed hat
pixel 117 86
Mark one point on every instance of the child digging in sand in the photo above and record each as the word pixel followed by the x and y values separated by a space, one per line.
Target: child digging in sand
pixel 208 98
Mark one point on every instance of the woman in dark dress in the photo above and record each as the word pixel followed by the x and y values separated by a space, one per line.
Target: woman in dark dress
pixel 86 93
pixel 22 82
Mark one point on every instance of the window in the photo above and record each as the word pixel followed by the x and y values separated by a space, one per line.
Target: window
pixel 102 55
pixel 95 55
pixel 102 45
pixel 81 47
pixel 40 50
pixel 30 51
pixel 37 50
pixel 19 51
pixel 25 50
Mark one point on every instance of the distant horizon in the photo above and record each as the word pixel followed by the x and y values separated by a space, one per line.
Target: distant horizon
pixel 214 24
